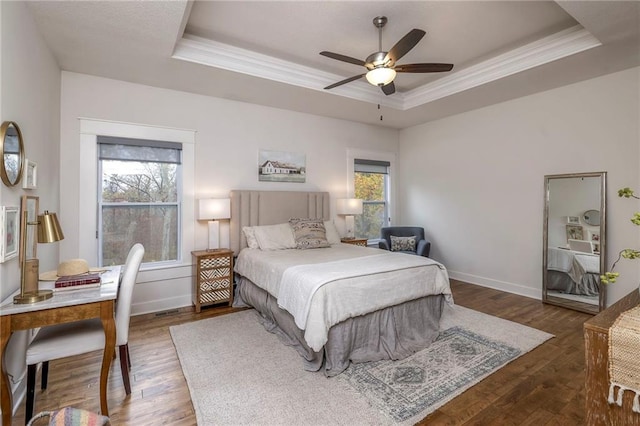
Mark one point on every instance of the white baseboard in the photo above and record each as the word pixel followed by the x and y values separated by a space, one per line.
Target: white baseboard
pixel 522 290
pixel 160 305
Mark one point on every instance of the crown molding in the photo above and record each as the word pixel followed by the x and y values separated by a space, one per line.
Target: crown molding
pixel 556 46
pixel 211 53
pixel 548 49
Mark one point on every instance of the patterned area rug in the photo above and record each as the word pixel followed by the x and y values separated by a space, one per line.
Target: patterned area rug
pixel 238 373
pixel 429 378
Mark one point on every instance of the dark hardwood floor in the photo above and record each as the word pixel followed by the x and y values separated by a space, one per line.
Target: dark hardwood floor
pixel 543 387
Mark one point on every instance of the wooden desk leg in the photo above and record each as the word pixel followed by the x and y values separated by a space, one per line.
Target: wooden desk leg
pixel 109 325
pixel 5 389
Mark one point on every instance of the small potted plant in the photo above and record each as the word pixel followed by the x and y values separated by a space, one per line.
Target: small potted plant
pixel 610 277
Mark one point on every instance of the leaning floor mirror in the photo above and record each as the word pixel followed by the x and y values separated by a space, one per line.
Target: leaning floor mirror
pixel 574 241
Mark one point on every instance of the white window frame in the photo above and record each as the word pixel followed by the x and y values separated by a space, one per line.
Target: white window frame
pixel 177 204
pixel 352 154
pixel 88 243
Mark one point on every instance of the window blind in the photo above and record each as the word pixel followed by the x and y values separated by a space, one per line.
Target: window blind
pixel 371 166
pixel 128 149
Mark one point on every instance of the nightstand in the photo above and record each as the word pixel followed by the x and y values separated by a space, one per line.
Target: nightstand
pixel 212 277
pixel 355 241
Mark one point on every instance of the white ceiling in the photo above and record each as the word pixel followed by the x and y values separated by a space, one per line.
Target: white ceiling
pixel 267 52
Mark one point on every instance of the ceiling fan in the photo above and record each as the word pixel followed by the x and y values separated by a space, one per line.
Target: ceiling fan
pixel 382 66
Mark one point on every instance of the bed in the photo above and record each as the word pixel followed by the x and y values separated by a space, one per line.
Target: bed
pixel 338 304
pixel 572 272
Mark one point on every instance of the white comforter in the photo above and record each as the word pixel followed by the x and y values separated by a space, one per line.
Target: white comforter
pixel 575 264
pixel 333 284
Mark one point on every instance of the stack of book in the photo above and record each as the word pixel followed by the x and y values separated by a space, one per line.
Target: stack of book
pixel 77 282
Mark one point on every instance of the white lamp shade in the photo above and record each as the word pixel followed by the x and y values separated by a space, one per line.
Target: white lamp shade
pixel 214 208
pixel 381 76
pixel 349 206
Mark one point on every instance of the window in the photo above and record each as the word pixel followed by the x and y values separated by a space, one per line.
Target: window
pixel 371 184
pixel 139 199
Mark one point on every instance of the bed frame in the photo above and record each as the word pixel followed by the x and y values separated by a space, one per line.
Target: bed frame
pixel 394 332
pixel 256 208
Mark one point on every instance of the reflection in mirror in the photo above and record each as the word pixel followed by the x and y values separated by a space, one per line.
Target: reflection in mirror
pixel 574 241
pixel 591 217
pixel 12 153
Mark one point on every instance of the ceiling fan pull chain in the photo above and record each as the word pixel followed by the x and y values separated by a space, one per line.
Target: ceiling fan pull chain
pixel 380 114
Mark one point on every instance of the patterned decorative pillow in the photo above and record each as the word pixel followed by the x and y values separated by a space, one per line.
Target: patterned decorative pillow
pixel 403 243
pixel 309 233
pixel 71 416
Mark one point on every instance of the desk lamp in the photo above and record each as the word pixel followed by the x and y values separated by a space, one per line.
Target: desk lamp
pixel 49 231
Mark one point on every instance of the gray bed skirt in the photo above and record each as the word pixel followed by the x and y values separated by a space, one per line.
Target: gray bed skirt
pixel 390 333
pixel 562 282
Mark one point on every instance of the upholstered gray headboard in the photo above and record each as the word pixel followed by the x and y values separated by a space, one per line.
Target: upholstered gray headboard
pixel 254 208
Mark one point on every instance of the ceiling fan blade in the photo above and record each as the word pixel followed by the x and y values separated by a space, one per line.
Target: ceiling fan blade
pixel 405 44
pixel 345 81
pixel 423 67
pixel 342 58
pixel 389 89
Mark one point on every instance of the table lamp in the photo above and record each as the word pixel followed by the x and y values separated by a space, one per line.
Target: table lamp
pixel 213 210
pixel 349 207
pixel 49 231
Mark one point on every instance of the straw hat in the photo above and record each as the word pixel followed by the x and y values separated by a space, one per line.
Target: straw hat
pixel 68 268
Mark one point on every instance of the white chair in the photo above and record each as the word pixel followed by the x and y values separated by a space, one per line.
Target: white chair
pixel 581 245
pixel 63 340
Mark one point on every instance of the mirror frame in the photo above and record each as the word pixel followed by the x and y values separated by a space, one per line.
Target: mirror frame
pixel 558 301
pixel 3 171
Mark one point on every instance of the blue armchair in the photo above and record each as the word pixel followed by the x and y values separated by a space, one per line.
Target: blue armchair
pixel 422 246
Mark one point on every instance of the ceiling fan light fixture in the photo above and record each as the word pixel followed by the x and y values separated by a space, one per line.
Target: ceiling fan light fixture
pixel 381 76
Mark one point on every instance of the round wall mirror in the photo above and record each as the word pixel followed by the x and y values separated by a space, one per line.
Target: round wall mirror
pixel 591 217
pixel 12 153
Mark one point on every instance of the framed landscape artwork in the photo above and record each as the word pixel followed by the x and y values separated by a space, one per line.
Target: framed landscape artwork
pixel 278 166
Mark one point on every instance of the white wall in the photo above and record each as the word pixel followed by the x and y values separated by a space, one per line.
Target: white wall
pixel 228 137
pixel 475 180
pixel 30 96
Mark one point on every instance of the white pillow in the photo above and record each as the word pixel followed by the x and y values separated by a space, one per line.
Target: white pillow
pixel 332 232
pixel 250 235
pixel 275 237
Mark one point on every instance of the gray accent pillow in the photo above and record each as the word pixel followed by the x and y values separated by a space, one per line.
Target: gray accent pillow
pixel 403 243
pixel 309 233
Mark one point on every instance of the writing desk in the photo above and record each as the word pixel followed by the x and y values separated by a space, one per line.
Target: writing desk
pixel 63 307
